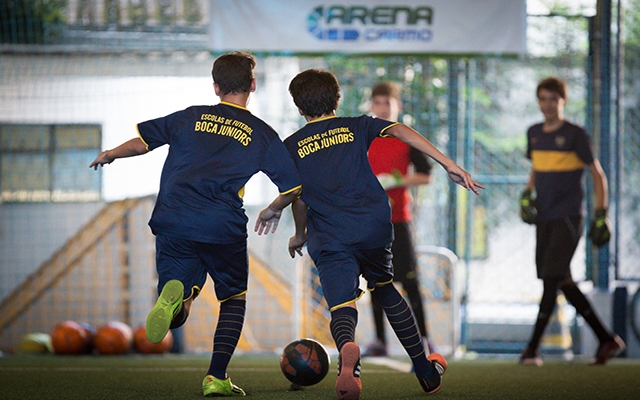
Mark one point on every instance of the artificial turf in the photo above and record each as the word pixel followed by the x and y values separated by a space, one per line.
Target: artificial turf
pixel 139 377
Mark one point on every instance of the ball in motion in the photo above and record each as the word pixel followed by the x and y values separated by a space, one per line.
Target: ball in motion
pixel 113 338
pixel 70 337
pixel 144 346
pixel 304 362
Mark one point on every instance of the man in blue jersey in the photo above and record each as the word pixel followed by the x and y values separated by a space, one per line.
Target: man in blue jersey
pixel 344 215
pixel 559 152
pixel 199 220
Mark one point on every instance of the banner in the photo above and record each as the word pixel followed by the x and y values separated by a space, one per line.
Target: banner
pixel 369 26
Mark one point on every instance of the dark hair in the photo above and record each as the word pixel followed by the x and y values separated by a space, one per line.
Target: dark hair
pixel 554 85
pixel 390 89
pixel 233 72
pixel 315 92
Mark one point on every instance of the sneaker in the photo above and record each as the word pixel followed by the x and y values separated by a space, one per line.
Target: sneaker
pixel 432 382
pixel 348 385
pixel 375 349
pixel 531 357
pixel 608 350
pixel 168 305
pixel 213 387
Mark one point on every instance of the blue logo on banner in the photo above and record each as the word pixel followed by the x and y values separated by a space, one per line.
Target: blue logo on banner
pixel 338 23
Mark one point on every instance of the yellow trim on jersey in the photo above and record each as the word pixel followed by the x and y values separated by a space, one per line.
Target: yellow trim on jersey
pixel 347 302
pixel 322 119
pixel 556 161
pixel 234 105
pixel 241 193
pixel 382 134
pixel 140 136
pixel 291 190
pixel 231 297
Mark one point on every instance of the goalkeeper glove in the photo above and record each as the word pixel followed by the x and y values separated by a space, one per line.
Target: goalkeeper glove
pixel 528 211
pixel 599 232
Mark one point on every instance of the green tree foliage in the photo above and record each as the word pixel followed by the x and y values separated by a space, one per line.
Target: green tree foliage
pixel 28 21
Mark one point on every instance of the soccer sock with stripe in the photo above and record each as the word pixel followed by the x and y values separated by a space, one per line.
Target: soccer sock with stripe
pixel 225 339
pixel 404 325
pixel 343 325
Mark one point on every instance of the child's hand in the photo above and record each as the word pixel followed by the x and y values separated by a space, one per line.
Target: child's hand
pixel 463 178
pixel 267 220
pixel 102 159
pixel 295 245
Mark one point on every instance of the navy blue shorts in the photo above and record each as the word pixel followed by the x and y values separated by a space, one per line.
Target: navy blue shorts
pixel 190 262
pixel 340 271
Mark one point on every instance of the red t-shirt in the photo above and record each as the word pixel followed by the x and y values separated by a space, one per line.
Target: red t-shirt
pixel 390 155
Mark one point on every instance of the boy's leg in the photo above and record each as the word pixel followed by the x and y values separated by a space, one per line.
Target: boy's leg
pixel 180 277
pixel 412 287
pixel 228 266
pixel 343 328
pixel 531 355
pixel 403 323
pixel 168 305
pixel 406 273
pixel 225 340
pixel 610 344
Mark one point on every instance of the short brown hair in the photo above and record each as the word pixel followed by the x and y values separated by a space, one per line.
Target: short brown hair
pixel 554 85
pixel 390 89
pixel 233 72
pixel 315 92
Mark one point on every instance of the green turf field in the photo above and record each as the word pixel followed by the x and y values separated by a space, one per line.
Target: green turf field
pixel 179 377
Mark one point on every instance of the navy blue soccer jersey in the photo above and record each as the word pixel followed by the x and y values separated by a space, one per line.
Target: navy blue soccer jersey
pixel 213 151
pixel 347 205
pixel 558 159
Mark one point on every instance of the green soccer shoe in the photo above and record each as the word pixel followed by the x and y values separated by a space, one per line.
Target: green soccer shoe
pixel 168 305
pixel 213 387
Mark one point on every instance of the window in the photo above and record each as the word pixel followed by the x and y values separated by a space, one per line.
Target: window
pixel 49 163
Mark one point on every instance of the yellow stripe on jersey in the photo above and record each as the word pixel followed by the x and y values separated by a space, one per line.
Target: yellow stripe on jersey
pixel 140 136
pixel 383 134
pixel 292 189
pixel 556 161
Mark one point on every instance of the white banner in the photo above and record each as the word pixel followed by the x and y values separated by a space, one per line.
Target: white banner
pixel 369 26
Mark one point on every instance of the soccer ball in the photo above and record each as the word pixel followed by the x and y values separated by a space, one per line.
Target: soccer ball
pixel 69 337
pixel 304 362
pixel 113 338
pixel 440 363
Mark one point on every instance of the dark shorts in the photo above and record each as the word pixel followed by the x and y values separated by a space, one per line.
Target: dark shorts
pixel 340 271
pixel 556 242
pixel 404 256
pixel 190 262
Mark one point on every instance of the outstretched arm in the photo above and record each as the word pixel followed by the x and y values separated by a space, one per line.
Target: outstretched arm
pixel 296 242
pixel 417 141
pixel 269 218
pixel 130 148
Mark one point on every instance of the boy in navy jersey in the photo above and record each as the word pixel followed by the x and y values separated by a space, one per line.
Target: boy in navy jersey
pixel 199 221
pixel 559 152
pixel 344 214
